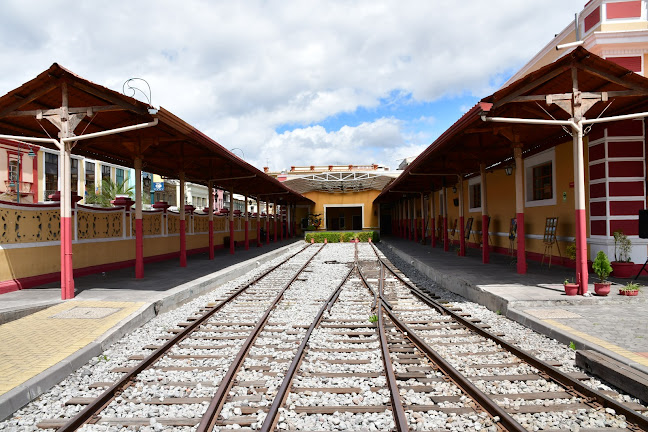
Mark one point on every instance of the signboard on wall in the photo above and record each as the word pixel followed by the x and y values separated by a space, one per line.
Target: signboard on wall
pixel 158 186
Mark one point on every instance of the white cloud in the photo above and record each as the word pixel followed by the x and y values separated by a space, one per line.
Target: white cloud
pixel 238 70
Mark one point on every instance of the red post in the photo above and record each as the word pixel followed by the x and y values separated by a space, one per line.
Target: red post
pixel 67 278
pixel 268 228
pixel 259 239
pixel 446 243
pixel 139 249
pixel 415 229
pixel 183 243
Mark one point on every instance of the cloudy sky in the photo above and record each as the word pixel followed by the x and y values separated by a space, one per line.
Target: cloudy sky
pixel 291 82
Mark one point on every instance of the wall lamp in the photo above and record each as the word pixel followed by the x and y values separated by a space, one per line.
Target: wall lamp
pixel 508 170
pixel 454 189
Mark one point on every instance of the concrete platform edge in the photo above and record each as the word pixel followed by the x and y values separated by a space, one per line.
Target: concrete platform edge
pixel 26 392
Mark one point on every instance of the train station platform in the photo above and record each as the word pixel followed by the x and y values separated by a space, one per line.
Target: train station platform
pixel 613 325
pixel 43 339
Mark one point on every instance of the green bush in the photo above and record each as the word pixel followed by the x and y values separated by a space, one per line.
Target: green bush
pixel 337 237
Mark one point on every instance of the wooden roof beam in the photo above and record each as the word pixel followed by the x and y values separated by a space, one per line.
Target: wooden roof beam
pixel 24 100
pixel 109 97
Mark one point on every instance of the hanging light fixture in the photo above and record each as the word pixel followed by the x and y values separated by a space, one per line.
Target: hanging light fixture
pixel 508 170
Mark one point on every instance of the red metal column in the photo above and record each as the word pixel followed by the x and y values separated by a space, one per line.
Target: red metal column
pixel 267 222
pixel 181 210
pixel 259 239
pixel 276 232
pixel 519 210
pixel 462 228
pixel 580 217
pixel 231 221
pixel 210 191
pixel 410 234
pixel 247 225
pixel 281 222
pixel 422 218
pixel 67 275
pixel 484 203
pixel 139 230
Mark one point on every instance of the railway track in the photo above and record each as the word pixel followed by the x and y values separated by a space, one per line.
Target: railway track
pixel 334 338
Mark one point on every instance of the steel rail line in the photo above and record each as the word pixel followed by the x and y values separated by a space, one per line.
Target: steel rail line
pixel 400 419
pixel 271 419
pixel 213 410
pixel 552 372
pixel 89 413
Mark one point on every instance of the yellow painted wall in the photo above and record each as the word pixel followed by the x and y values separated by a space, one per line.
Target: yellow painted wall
pixel 371 216
pixel 501 205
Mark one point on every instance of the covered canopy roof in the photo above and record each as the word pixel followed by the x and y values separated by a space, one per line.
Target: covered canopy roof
pixel 340 182
pixel 166 149
pixel 471 141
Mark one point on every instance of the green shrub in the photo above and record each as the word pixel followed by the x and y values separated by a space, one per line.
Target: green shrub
pixel 337 237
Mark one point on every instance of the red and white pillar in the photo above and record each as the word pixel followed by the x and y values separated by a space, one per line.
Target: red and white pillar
pixel 258 235
pixel 181 210
pixel 580 217
pixel 231 221
pixel 484 203
pixel 267 222
pixel 67 272
pixel 139 231
pixel 462 228
pixel 247 225
pixel 210 192
pixel 519 210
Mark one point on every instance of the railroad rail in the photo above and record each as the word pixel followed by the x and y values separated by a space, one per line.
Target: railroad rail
pixel 365 348
pixel 465 349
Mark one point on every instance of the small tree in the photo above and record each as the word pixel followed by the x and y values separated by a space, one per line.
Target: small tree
pixel 622 247
pixel 109 191
pixel 601 266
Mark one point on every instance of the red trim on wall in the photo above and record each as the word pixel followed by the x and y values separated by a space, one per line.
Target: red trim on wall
pixel 625 149
pixel 632 63
pixel 626 169
pixel 598 190
pixel 598 208
pixel 619 189
pixel 597 171
pixel 592 19
pixel 625 128
pixel 625 208
pixel 629 227
pixel 597 152
pixel 33 281
pixel 626 9
pixel 597 227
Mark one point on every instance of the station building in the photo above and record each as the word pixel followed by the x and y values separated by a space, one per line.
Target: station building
pixel 512 176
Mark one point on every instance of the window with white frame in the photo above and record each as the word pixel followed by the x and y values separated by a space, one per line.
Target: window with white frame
pixel 540 179
pixel 474 194
pixel 51 174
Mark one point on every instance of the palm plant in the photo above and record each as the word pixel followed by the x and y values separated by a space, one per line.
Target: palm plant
pixel 109 191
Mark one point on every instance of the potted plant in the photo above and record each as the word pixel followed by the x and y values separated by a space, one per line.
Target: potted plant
pixel 602 268
pixel 631 289
pixel 571 288
pixel 622 267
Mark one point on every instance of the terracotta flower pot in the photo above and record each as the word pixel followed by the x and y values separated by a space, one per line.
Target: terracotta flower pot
pixel 622 270
pixel 571 289
pixel 630 293
pixel 602 289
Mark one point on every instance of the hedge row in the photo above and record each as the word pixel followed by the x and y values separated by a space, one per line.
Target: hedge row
pixel 338 237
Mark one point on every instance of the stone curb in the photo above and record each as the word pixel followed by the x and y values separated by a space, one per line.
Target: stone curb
pixel 20 396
